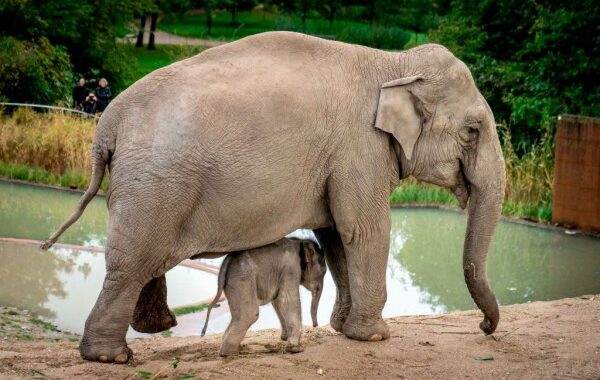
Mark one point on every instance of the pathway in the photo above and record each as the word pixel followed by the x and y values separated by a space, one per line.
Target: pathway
pixel 164 38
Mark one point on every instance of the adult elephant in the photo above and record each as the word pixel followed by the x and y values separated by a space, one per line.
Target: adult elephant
pixel 240 145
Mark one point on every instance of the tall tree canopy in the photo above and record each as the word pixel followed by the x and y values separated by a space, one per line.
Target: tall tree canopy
pixel 85 31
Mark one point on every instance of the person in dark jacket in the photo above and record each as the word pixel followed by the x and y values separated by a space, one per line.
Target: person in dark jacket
pixel 90 104
pixel 79 94
pixel 103 94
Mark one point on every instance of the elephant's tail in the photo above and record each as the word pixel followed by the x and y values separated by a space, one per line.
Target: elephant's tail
pixel 100 159
pixel 221 282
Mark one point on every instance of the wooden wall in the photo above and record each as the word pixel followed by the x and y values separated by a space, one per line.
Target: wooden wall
pixel 576 187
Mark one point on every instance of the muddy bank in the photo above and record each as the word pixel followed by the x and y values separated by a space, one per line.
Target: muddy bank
pixel 22 325
pixel 557 339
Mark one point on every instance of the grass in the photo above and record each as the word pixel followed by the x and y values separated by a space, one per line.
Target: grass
pixel 189 309
pixel 253 22
pixel 413 192
pixel 54 148
pixel 529 178
pixel 147 61
pixel 43 324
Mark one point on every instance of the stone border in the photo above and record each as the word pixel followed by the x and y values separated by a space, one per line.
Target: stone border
pixel 186 263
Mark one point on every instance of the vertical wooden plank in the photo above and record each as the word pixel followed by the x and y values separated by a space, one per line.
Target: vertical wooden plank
pixel 576 186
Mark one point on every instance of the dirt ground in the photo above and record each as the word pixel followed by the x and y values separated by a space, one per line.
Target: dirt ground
pixel 540 340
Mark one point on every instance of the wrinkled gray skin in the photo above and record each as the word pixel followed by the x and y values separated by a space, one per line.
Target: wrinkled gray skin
pixel 238 146
pixel 272 273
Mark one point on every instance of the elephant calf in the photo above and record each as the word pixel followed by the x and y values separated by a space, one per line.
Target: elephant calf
pixel 272 273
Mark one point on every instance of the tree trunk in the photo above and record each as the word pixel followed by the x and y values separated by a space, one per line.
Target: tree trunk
pixel 234 15
pixel 153 20
pixel 303 22
pixel 331 16
pixel 140 38
pixel 304 6
pixel 371 11
pixel 208 20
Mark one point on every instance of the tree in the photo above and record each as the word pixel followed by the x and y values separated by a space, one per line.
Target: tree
pixel 235 6
pixel 34 72
pixel 153 21
pixel 140 38
pixel 86 32
pixel 532 60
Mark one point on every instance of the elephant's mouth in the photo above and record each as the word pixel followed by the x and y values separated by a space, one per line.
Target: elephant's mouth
pixel 461 190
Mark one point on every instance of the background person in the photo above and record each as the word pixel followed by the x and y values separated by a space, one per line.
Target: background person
pixel 79 94
pixel 90 104
pixel 103 94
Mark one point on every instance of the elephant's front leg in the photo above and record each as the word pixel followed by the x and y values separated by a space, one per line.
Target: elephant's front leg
pixel 152 313
pixel 361 211
pixel 367 262
pixel 332 245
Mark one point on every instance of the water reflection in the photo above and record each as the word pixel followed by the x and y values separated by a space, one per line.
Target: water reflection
pixel 63 284
pixel 39 281
pixel 525 263
pixel 33 212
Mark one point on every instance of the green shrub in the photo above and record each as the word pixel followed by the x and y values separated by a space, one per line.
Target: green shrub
pixel 34 72
pixel 375 36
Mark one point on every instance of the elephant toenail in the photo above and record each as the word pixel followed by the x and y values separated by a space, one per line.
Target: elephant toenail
pixel 103 358
pixel 375 338
pixel 122 358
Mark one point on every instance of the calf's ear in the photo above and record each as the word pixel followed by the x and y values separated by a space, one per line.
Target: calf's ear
pixel 309 253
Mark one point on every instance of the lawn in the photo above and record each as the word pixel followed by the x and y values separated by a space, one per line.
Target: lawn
pixel 146 61
pixel 252 22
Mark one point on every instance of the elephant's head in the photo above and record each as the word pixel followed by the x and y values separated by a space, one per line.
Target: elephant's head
pixel 313 273
pixel 445 134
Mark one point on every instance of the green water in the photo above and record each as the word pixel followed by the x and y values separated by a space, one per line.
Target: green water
pixel 424 271
pixel 33 212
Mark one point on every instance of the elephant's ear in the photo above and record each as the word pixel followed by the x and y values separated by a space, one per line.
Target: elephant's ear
pixel 309 253
pixel 397 113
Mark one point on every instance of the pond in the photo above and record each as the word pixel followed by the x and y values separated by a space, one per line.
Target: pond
pixel 424 276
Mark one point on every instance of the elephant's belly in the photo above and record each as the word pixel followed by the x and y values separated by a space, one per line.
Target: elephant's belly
pixel 250 227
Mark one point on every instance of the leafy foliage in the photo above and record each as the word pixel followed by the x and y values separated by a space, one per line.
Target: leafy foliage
pixel 532 60
pixel 34 72
pixel 86 31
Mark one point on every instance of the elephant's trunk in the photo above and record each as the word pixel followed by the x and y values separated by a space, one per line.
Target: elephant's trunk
pixel 487 184
pixel 316 296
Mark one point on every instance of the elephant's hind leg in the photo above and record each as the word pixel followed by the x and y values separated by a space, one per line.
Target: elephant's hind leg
pixel 243 304
pixel 105 328
pixel 128 271
pixel 152 314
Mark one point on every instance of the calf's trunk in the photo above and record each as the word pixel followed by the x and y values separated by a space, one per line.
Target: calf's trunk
pixel 316 296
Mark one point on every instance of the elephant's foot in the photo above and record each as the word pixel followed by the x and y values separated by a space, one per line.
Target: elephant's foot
pixel 104 352
pixel 294 348
pixel 378 330
pixel 284 336
pixel 228 350
pixel 153 321
pixel 339 315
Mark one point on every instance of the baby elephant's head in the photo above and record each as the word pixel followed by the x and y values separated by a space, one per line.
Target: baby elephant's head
pixel 313 272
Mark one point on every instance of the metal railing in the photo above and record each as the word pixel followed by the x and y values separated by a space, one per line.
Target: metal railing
pixel 43 106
